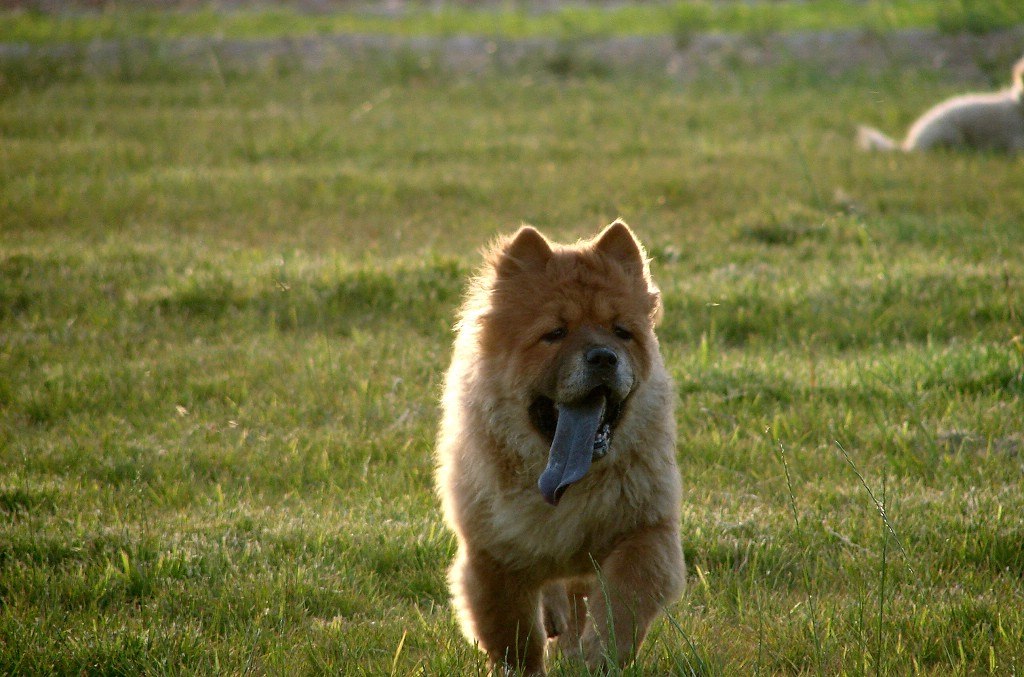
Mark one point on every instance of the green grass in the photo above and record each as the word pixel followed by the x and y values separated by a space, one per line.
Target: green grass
pixel 225 310
pixel 120 21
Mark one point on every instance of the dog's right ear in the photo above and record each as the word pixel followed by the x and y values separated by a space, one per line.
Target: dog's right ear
pixel 527 250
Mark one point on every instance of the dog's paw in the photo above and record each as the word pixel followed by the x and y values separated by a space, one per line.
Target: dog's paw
pixel 569 648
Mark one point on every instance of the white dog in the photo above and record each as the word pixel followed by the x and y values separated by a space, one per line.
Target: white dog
pixel 993 122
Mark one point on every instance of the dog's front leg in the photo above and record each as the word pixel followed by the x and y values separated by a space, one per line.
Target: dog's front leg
pixel 645 572
pixel 504 612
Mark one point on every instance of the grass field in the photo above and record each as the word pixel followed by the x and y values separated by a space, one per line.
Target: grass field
pixel 226 305
pixel 123 20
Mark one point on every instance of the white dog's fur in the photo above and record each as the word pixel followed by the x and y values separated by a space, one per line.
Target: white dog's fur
pixel 993 122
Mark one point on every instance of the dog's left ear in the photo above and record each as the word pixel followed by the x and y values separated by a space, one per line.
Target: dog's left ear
pixel 618 243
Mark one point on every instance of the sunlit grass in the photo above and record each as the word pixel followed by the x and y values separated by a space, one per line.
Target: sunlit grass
pixel 225 309
pixel 122 21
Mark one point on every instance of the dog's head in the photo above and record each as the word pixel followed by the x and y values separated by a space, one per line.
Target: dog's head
pixel 573 329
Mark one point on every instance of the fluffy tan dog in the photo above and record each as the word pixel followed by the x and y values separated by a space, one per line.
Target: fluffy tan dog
pixel 993 122
pixel 556 453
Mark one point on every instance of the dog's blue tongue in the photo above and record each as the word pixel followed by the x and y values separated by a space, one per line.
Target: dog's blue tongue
pixel 573 446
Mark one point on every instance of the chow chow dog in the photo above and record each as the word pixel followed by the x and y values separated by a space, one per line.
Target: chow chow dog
pixel 992 122
pixel 556 453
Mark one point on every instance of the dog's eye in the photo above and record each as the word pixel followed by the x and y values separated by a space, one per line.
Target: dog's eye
pixel 622 332
pixel 554 335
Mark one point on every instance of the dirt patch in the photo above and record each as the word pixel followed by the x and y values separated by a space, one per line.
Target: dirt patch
pixel 976 58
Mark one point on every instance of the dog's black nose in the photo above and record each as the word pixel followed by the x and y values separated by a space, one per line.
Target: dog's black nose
pixel 602 358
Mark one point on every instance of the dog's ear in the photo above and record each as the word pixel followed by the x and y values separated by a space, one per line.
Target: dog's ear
pixel 618 243
pixel 527 250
